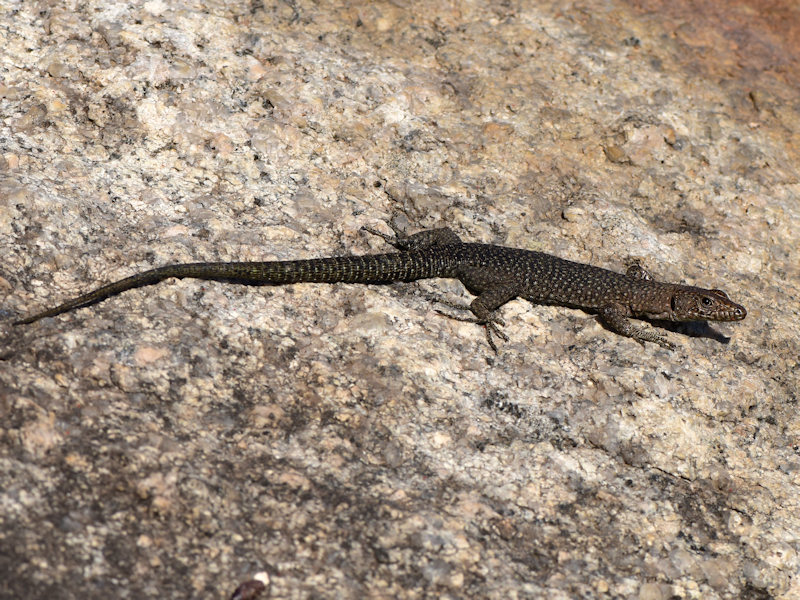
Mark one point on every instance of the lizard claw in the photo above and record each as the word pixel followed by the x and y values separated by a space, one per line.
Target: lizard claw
pixel 492 328
pixel 492 323
pixel 398 240
pixel 388 238
pixel 643 335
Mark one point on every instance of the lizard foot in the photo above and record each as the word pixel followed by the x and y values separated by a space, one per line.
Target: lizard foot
pixel 643 335
pixel 400 237
pixel 491 322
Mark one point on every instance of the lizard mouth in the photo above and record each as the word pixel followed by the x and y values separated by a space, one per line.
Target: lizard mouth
pixel 738 313
pixel 733 314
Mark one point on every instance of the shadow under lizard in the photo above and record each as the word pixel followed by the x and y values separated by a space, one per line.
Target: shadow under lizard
pixel 494 274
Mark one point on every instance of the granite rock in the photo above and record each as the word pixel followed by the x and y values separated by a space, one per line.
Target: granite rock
pixel 346 441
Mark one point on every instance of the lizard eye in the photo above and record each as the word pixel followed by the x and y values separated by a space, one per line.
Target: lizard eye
pixel 706 301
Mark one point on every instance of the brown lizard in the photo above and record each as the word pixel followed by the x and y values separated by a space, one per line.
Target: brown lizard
pixel 495 274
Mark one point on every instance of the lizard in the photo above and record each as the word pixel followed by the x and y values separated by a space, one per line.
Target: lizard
pixel 494 274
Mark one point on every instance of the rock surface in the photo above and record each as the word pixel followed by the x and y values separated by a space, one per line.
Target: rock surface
pixel 346 441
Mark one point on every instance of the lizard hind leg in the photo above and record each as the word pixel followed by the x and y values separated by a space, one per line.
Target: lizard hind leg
pixel 491 322
pixel 416 241
pixel 485 307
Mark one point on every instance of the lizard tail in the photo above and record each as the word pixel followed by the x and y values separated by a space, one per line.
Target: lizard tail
pixel 347 269
pixel 101 293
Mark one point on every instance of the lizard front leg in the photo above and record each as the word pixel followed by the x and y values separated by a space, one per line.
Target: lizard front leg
pixel 615 317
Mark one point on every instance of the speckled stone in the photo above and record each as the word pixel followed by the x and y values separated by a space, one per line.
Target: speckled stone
pixel 342 441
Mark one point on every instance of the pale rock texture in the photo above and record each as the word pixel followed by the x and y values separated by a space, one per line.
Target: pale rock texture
pixel 347 441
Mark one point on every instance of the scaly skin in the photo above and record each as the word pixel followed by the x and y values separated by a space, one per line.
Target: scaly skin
pixel 494 274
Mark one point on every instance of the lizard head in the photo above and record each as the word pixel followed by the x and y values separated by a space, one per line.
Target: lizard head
pixel 697 304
